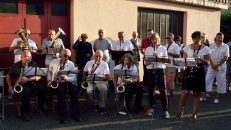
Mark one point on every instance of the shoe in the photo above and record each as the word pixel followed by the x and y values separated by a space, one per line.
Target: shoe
pixel 76 118
pixel 26 117
pixel 193 117
pixel 63 121
pixel 97 108
pixel 178 117
pixel 150 111
pixel 166 115
pixel 216 101
pixel 202 99
pixel 102 111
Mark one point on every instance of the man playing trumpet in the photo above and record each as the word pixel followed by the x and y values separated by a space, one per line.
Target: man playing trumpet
pixel 98 68
pixel 26 83
pixel 65 83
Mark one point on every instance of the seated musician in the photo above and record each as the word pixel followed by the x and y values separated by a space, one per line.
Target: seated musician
pixel 130 83
pixel 52 46
pixel 27 82
pixel 155 74
pixel 65 83
pixel 98 67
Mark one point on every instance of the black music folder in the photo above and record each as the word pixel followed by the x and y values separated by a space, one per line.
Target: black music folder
pixel 116 55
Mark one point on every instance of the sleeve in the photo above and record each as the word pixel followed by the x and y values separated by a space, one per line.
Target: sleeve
pixel 177 49
pixel 165 52
pixel 227 50
pixel 115 68
pixel 33 44
pixel 86 67
pixel 109 44
pixel 50 71
pixel 131 46
pixel 71 77
pixel 106 69
pixel 43 44
pixel 14 42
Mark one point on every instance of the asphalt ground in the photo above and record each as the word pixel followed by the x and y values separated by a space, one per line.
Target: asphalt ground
pixel 211 117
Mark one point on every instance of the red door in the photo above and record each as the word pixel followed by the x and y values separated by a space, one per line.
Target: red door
pixel 38 15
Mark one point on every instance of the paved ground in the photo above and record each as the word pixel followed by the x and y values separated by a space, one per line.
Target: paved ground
pixel 211 117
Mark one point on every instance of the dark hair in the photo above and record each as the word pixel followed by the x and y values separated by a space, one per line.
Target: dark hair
pixel 196 34
pixel 178 37
pixel 149 30
pixel 220 34
pixel 130 58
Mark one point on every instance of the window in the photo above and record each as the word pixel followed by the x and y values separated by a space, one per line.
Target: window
pixel 59 9
pixel 9 6
pixel 35 7
pixel 160 21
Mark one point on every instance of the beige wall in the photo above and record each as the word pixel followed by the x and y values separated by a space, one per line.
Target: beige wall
pixel 87 16
pixel 116 15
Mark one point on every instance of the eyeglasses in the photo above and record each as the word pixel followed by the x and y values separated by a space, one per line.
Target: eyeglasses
pixel 168 38
pixel 178 40
pixel 65 55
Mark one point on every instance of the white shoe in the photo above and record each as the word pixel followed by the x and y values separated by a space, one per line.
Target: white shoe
pixel 202 99
pixel 167 115
pixel 216 101
pixel 150 112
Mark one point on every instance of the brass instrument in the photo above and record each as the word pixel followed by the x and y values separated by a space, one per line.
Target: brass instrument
pixel 56 36
pixel 24 43
pixel 120 88
pixel 18 87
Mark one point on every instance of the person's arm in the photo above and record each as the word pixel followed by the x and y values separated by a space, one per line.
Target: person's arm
pixel 9 83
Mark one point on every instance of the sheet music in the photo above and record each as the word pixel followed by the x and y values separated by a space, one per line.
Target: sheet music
pixel 91 78
pixel 30 71
pixel 122 72
pixel 190 62
pixel 66 72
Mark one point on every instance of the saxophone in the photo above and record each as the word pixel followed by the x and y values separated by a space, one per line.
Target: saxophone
pixel 17 86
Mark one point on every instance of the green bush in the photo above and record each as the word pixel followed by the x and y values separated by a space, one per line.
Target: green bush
pixel 226 26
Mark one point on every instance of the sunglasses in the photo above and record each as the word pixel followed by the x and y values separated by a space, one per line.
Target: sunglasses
pixel 65 55
pixel 83 37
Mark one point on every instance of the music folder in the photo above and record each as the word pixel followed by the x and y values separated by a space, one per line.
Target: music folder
pixel 31 71
pixel 66 72
pixel 116 55
pixel 123 72
pixel 94 77
pixel 185 62
pixel 151 58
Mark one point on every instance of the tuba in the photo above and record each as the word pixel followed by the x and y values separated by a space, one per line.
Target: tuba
pixel 24 43
pixel 58 34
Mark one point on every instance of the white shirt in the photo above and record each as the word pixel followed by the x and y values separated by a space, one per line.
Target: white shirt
pixel 174 48
pixel 161 51
pixel 100 71
pixel 218 53
pixel 14 43
pixel 55 66
pixel 133 69
pixel 124 45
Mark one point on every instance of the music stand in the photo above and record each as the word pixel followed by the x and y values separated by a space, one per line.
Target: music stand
pixel 116 55
pixel 185 62
pixel 120 73
pixel 35 71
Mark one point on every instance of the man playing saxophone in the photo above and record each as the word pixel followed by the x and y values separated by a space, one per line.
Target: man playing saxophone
pixel 52 46
pixel 98 68
pixel 17 73
pixel 17 46
pixel 66 84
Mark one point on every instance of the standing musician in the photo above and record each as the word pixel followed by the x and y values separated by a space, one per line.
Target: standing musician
pixel 98 67
pixel 194 77
pixel 156 77
pixel 17 44
pixel 52 46
pixel 136 42
pixel 64 83
pixel 27 83
pixel 130 83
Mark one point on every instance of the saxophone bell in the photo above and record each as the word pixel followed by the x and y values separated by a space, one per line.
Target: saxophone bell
pixel 120 88
pixel 18 88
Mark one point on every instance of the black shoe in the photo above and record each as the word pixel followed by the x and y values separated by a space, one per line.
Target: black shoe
pixel 26 117
pixel 63 121
pixel 76 118
pixel 102 111
pixel 97 108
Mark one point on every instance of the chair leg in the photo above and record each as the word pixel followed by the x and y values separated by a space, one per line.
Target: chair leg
pixel 17 106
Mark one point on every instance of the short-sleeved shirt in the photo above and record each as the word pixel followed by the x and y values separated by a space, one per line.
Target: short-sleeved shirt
pixel 15 69
pixel 124 45
pixel 58 46
pixel 14 44
pixel 133 69
pixel 173 48
pixel 218 53
pixel 160 51
pixel 104 45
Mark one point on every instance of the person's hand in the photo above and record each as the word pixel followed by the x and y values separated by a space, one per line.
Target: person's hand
pixel 155 54
pixel 23 80
pixel 79 38
pixel 10 90
pixel 214 67
pixel 62 77
pixel 196 56
pixel 49 83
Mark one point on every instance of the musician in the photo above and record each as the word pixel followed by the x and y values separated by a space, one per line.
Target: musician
pixel 130 83
pixel 173 52
pixel 104 45
pixel 136 42
pixel 156 73
pixel 52 46
pixel 217 67
pixel 84 51
pixel 194 77
pixel 15 46
pixel 66 84
pixel 27 82
pixel 122 44
pixel 98 67
pixel 147 41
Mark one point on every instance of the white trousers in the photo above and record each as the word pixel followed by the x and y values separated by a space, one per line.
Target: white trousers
pixel 220 77
pixel 103 90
